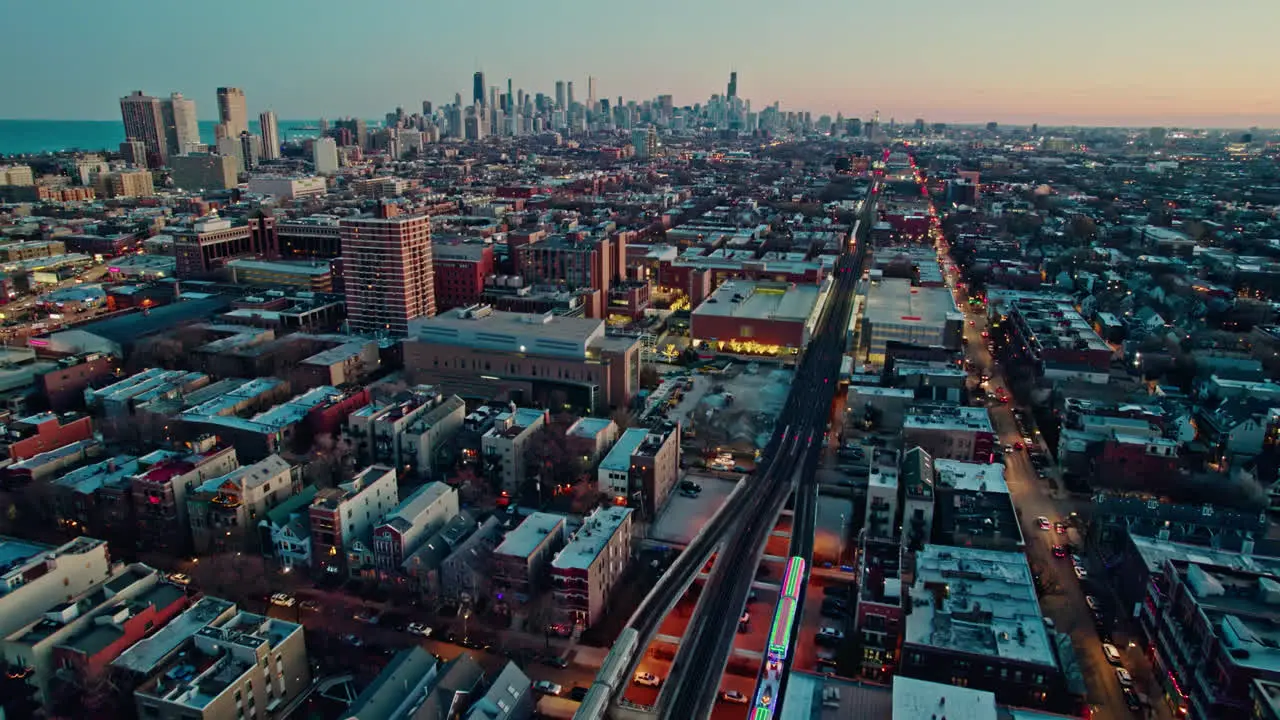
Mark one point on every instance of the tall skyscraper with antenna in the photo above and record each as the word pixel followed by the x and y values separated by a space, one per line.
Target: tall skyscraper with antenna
pixel 733 85
pixel 477 88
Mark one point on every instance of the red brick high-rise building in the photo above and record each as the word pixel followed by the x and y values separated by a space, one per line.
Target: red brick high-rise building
pixel 387 271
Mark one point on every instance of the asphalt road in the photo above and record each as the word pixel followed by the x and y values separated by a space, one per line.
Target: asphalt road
pixel 1063 601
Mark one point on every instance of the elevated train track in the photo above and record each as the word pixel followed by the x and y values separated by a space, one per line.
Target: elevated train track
pixel 740 529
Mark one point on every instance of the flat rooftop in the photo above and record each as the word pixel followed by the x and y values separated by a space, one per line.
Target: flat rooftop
pixel 789 302
pixel 1243 610
pixel 1156 552
pixel 589 428
pixel 591 538
pixel 923 700
pixel 971 477
pixel 619 457
pixel 526 538
pixel 894 301
pixel 15 552
pixel 948 417
pixel 509 332
pixel 978 602
pixel 149 652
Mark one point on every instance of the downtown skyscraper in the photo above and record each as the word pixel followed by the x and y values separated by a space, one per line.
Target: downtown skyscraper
pixel 181 127
pixel 477 88
pixel 144 123
pixel 270 135
pixel 232 112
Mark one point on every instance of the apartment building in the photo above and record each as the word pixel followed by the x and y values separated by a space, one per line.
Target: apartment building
pixel 521 562
pixel 643 466
pixel 35 577
pixel 409 432
pixel 411 523
pixel 466 573
pixel 224 511
pixel 584 573
pixel 591 437
pixel 460 272
pixel 952 432
pixel 161 487
pixel 105 608
pixel 250 666
pixel 503 446
pixel 1215 634
pixel 342 516
pixel 44 432
pixel 388 273
pixel 975 620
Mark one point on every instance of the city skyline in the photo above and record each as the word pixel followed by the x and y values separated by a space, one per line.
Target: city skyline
pixel 983 61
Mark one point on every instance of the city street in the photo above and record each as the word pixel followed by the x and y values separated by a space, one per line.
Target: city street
pixel 1063 600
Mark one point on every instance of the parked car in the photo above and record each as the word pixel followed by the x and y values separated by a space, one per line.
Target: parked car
pixel 1126 680
pixel 546 687
pixel 1112 654
pixel 555 661
pixel 1081 573
pixel 418 629
pixel 283 600
pixel 367 616
pixel 1043 523
pixel 647 679
pixel 179 579
pixel 733 696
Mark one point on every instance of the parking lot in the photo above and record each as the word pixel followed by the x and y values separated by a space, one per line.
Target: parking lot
pixel 682 517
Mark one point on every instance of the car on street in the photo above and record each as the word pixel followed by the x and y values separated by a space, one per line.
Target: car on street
pixel 311 605
pixel 546 687
pixel 829 636
pixel 366 616
pixel 283 600
pixel 1112 653
pixel 1132 700
pixel 647 679
pixel 733 696
pixel 1060 528
pixel 1019 446
pixel 1059 551
pixel 418 629
pixel 1081 573
pixel 179 579
pixel 555 661
pixel 1008 449
pixel 1043 523
pixel 353 640
pixel 1093 603
pixel 1126 680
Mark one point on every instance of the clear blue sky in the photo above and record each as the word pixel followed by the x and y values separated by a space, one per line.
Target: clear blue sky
pixel 1016 61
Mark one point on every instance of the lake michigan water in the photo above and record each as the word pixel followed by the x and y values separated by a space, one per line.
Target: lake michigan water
pixel 38 136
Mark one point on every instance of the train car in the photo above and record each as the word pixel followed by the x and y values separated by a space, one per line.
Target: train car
pixel 784 619
pixel 614 669
pixel 594 706
pixel 793 578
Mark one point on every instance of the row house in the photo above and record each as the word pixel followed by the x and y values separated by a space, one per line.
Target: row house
pixel 225 510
